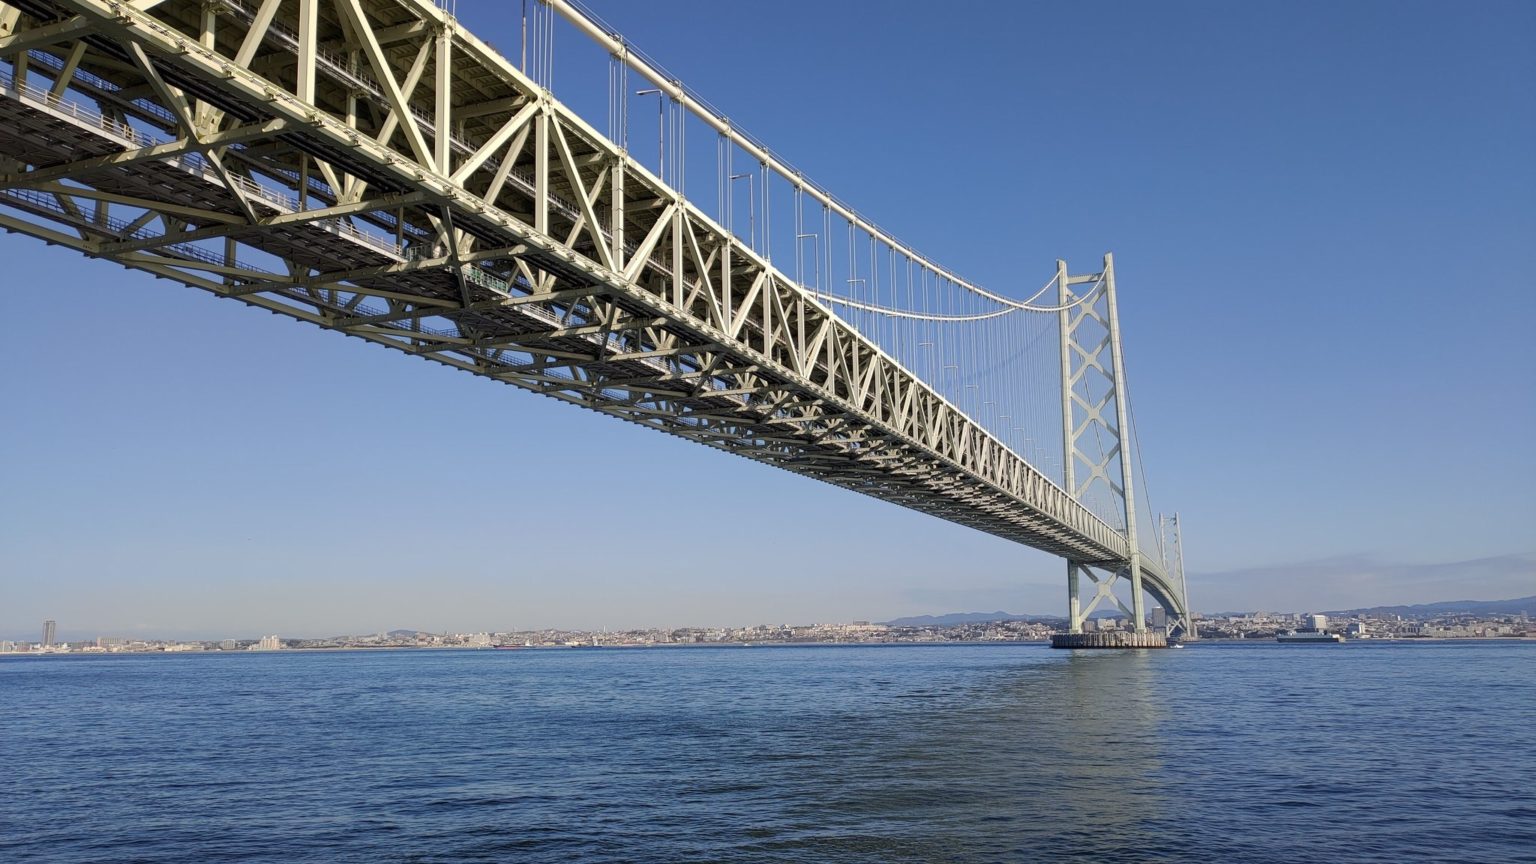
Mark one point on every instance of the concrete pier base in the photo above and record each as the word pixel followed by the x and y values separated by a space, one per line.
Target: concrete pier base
pixel 1110 639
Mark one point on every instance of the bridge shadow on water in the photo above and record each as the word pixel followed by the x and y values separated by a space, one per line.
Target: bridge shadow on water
pixel 871 754
pixel 1058 757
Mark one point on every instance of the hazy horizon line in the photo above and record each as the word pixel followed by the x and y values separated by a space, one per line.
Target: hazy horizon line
pixel 67 636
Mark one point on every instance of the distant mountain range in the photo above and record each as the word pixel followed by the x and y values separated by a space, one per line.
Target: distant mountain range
pixel 1422 610
pixel 954 618
pixel 1451 607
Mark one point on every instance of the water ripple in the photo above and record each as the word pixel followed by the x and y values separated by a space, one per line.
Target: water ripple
pixel 1373 753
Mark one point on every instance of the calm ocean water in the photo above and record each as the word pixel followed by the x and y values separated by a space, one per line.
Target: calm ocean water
pixel 1360 752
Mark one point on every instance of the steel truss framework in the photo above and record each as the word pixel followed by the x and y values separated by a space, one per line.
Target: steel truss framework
pixel 371 167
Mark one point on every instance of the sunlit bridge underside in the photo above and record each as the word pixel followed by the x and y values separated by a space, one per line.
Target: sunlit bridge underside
pixel 374 168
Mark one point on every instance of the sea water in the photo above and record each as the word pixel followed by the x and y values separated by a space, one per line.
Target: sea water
pixel 1362 752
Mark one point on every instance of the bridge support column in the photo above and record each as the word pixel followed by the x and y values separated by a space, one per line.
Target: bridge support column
pixel 1074 605
pixel 1138 602
pixel 1123 443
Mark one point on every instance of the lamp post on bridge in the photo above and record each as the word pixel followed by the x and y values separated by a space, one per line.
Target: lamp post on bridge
pixel 751 207
pixel 799 264
pixel 661 130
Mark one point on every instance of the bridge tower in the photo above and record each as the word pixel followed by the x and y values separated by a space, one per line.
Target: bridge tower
pixel 1170 542
pixel 1095 437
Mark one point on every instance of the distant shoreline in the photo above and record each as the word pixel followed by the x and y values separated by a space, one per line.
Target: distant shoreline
pixel 984 643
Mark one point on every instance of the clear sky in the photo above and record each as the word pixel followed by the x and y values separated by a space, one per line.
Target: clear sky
pixel 1324 221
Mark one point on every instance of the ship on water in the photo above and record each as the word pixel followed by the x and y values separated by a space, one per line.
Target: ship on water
pixel 1315 633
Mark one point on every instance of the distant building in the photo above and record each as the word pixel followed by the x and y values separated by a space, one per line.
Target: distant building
pixel 268 643
pixel 1159 618
pixel 49 628
pixel 227 645
pixel 1317 622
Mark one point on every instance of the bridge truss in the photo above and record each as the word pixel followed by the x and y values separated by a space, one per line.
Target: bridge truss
pixel 373 168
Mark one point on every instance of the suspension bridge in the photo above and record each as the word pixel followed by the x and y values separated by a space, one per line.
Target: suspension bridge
pixel 374 168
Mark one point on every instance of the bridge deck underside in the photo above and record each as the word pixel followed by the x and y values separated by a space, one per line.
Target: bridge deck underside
pixel 522 246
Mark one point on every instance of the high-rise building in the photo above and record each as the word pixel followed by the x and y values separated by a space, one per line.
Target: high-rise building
pixel 48 633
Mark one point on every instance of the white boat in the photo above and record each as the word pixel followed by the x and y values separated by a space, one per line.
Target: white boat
pixel 1308 637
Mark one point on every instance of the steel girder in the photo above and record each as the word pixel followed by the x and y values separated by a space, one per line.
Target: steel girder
pixel 371 167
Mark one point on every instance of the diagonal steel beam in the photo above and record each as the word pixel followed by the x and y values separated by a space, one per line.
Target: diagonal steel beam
pixel 352 10
pixel 48 34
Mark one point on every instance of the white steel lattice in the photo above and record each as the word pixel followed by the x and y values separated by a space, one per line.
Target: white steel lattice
pixel 374 168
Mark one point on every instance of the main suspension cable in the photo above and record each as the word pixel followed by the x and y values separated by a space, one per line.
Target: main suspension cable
pixel 1015 306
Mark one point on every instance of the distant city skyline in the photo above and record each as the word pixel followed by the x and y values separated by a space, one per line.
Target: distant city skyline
pixel 194 633
pixel 1323 247
pixel 1510 617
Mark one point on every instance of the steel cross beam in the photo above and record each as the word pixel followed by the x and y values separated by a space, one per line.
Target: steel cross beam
pixel 373 168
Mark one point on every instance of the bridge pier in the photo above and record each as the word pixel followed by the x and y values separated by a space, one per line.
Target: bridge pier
pixel 1111 639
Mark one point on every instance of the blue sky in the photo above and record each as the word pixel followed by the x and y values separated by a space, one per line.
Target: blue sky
pixel 1323 219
